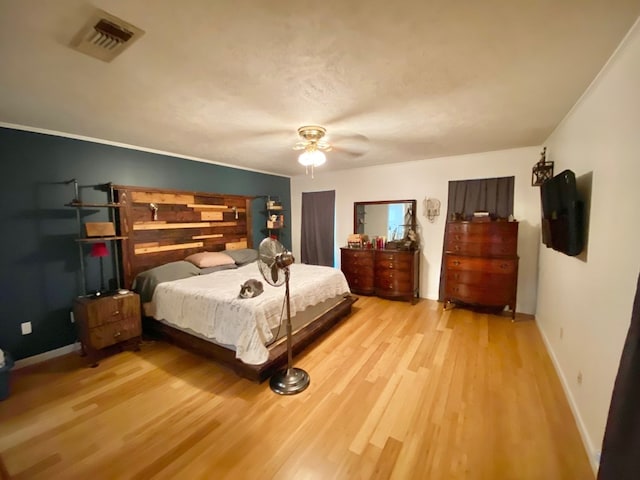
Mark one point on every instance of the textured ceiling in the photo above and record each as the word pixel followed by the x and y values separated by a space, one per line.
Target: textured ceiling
pixel 231 81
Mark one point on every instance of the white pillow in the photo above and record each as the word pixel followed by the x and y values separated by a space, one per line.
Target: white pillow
pixel 210 259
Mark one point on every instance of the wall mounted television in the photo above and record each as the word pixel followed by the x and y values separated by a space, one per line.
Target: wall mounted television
pixel 562 214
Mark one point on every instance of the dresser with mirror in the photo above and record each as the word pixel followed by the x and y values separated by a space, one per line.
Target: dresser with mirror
pixel 393 271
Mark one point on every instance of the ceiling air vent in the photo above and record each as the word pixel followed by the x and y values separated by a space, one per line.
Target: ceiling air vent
pixel 105 37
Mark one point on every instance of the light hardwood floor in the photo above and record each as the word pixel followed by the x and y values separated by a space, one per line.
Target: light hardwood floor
pixel 397 391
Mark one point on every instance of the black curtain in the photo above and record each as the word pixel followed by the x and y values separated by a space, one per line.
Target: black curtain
pixel 493 195
pixel 318 228
pixel 620 458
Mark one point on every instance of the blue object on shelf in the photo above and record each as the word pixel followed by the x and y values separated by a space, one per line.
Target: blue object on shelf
pixel 4 376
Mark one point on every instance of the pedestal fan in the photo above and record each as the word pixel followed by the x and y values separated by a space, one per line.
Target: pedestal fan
pixel 274 261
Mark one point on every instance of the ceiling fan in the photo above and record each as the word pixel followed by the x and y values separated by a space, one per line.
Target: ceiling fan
pixel 345 145
pixel 313 145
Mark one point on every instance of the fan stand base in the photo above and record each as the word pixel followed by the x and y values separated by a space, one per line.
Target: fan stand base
pixel 289 381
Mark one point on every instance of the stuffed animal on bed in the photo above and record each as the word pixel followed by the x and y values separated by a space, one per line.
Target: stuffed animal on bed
pixel 251 288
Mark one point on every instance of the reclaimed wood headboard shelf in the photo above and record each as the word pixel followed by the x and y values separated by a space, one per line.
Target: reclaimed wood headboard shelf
pixel 168 225
pixel 138 250
pixel 173 226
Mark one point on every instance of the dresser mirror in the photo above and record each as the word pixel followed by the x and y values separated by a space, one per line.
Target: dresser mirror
pixel 391 219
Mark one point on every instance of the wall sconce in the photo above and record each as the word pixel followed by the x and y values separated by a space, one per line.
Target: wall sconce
pixel 431 208
pixel 542 171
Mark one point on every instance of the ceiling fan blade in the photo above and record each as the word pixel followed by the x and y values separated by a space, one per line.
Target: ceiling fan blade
pixel 351 144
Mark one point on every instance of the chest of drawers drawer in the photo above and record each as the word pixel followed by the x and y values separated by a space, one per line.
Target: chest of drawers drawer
pixel 480 249
pixel 390 284
pixel 394 261
pixel 472 293
pixel 357 255
pixel 474 277
pixel 478 264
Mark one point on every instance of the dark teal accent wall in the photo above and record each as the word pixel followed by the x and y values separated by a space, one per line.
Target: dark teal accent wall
pixel 38 255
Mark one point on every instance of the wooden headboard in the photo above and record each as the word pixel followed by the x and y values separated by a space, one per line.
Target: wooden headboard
pixel 185 223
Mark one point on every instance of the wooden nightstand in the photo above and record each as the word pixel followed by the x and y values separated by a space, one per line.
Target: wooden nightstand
pixel 106 321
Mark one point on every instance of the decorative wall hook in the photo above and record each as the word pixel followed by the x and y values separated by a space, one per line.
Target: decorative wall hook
pixel 542 171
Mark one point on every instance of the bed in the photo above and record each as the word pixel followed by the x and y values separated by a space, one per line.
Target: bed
pixel 200 310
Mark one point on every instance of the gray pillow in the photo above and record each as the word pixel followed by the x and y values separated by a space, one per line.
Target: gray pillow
pixel 243 256
pixel 145 282
pixel 204 271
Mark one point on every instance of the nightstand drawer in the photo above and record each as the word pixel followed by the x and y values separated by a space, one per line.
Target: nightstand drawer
pixel 112 333
pixel 111 309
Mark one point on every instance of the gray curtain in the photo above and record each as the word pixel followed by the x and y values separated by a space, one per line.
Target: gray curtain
pixel 318 228
pixel 493 195
pixel 620 459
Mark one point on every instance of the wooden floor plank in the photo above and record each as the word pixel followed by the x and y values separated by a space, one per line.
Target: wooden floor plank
pixel 397 391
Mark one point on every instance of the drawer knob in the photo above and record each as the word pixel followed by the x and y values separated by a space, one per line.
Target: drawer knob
pixel 117 312
pixel 117 334
pixel 504 265
pixel 391 265
pixel 457 247
pixel 456 262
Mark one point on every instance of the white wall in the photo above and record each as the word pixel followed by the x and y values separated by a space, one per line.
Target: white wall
pixel 591 300
pixel 429 178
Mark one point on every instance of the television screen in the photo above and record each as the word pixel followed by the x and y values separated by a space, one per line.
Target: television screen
pixel 562 214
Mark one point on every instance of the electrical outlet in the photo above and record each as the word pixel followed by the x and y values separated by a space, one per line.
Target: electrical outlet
pixel 72 317
pixel 579 378
pixel 26 328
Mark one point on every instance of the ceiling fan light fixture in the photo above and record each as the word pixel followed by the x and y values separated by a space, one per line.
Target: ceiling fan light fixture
pixel 312 158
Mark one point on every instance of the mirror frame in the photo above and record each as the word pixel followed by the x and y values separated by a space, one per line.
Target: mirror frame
pixel 414 205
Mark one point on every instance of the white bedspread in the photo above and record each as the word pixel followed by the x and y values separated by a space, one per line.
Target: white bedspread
pixel 209 305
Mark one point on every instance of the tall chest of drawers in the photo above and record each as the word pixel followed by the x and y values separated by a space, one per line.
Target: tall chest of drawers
pixel 481 263
pixel 390 274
